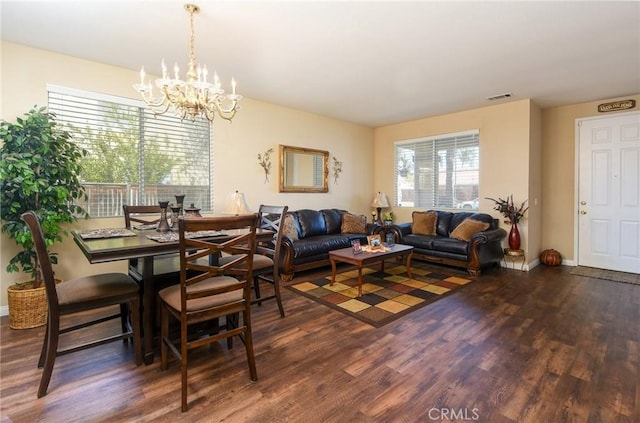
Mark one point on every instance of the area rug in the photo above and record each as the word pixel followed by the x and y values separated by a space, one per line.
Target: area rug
pixel 610 275
pixel 386 296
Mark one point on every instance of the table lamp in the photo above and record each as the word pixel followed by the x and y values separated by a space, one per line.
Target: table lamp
pixel 237 204
pixel 380 201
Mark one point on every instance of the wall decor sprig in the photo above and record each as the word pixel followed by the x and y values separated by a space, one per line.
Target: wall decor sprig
pixel 337 169
pixel 264 160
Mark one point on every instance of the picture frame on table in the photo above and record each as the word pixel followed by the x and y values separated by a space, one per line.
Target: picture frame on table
pixel 357 248
pixel 375 242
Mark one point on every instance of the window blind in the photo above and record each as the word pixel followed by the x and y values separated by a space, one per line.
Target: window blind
pixel 134 156
pixel 437 171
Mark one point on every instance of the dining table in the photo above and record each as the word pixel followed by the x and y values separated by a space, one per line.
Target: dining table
pixel 115 244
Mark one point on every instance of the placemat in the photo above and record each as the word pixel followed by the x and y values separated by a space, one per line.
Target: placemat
pixel 173 236
pixel 106 233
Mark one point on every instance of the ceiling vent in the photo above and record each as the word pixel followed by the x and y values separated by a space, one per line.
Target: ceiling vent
pixel 499 96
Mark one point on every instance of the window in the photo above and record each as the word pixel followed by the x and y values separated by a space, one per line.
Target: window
pixel 134 156
pixel 439 172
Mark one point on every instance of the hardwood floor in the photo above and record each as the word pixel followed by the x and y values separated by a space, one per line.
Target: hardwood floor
pixel 539 346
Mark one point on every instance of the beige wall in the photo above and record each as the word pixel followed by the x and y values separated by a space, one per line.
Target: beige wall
pixel 505 154
pixel 525 151
pixel 258 126
pixel 559 173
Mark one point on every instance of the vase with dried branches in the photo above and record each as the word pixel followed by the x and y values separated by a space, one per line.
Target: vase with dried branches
pixel 513 215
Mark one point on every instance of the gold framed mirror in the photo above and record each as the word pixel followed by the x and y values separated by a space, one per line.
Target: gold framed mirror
pixel 303 169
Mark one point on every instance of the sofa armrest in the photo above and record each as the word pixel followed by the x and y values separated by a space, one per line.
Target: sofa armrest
pixel 488 236
pixel 373 228
pixel 399 230
pixel 286 258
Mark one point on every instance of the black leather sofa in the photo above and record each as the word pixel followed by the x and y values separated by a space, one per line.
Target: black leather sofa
pixel 315 233
pixel 483 249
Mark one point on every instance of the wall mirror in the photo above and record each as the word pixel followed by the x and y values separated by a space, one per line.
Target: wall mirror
pixel 303 169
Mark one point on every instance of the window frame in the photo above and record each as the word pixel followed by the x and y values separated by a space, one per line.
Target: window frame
pixel 432 148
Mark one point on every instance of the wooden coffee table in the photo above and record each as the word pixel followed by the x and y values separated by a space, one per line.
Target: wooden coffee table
pixel 346 255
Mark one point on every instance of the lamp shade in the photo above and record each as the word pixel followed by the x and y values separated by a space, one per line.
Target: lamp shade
pixel 237 204
pixel 380 200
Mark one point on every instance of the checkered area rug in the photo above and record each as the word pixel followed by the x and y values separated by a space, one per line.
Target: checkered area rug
pixel 386 296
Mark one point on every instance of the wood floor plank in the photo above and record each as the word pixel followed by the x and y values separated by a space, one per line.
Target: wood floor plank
pixel 511 346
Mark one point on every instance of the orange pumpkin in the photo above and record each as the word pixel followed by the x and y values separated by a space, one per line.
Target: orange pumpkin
pixel 550 257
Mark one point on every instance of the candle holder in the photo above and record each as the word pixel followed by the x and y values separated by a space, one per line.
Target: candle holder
pixel 175 214
pixel 163 225
pixel 179 203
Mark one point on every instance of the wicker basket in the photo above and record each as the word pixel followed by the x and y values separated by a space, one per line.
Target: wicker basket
pixel 27 307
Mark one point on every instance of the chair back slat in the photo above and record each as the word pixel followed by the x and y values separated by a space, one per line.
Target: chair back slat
pixel 272 218
pixel 241 246
pixel 43 260
pixel 145 215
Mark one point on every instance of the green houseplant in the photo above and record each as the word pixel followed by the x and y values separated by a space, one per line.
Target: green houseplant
pixel 39 170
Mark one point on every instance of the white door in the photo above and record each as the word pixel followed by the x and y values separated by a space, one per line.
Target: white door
pixel 609 192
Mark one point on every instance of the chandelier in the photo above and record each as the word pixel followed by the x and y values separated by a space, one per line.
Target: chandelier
pixel 193 97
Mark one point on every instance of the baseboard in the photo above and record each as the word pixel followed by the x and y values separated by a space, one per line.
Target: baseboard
pixel 4 310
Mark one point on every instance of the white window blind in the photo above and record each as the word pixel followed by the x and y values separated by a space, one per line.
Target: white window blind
pixel 438 172
pixel 134 156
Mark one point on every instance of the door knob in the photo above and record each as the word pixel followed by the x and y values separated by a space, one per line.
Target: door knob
pixel 583 212
pixel 584 203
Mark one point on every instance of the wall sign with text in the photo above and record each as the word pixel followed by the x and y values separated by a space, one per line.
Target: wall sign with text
pixel 614 106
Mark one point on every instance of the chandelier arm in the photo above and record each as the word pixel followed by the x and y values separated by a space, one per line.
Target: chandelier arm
pixel 210 114
pixel 155 103
pixel 217 102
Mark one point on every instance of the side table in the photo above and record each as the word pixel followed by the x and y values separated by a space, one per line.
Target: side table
pixel 514 255
pixel 388 236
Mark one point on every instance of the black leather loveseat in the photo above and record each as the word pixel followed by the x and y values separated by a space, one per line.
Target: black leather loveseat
pixel 463 239
pixel 309 235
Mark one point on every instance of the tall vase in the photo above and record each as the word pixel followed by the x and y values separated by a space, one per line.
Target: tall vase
pixel 163 225
pixel 175 213
pixel 180 201
pixel 514 237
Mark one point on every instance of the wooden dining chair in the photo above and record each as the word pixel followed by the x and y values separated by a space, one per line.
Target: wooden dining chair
pixel 210 291
pixel 266 260
pixel 166 267
pixel 267 255
pixel 80 295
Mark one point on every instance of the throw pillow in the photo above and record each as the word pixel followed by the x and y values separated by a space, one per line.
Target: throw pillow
pixel 424 223
pixel 353 224
pixel 289 227
pixel 467 229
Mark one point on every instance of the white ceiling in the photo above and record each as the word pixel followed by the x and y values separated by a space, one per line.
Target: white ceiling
pixel 372 63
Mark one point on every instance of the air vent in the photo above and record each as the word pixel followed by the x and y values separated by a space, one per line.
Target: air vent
pixel 499 96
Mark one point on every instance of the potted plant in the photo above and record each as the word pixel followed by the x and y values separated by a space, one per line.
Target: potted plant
pixel 387 218
pixel 39 171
